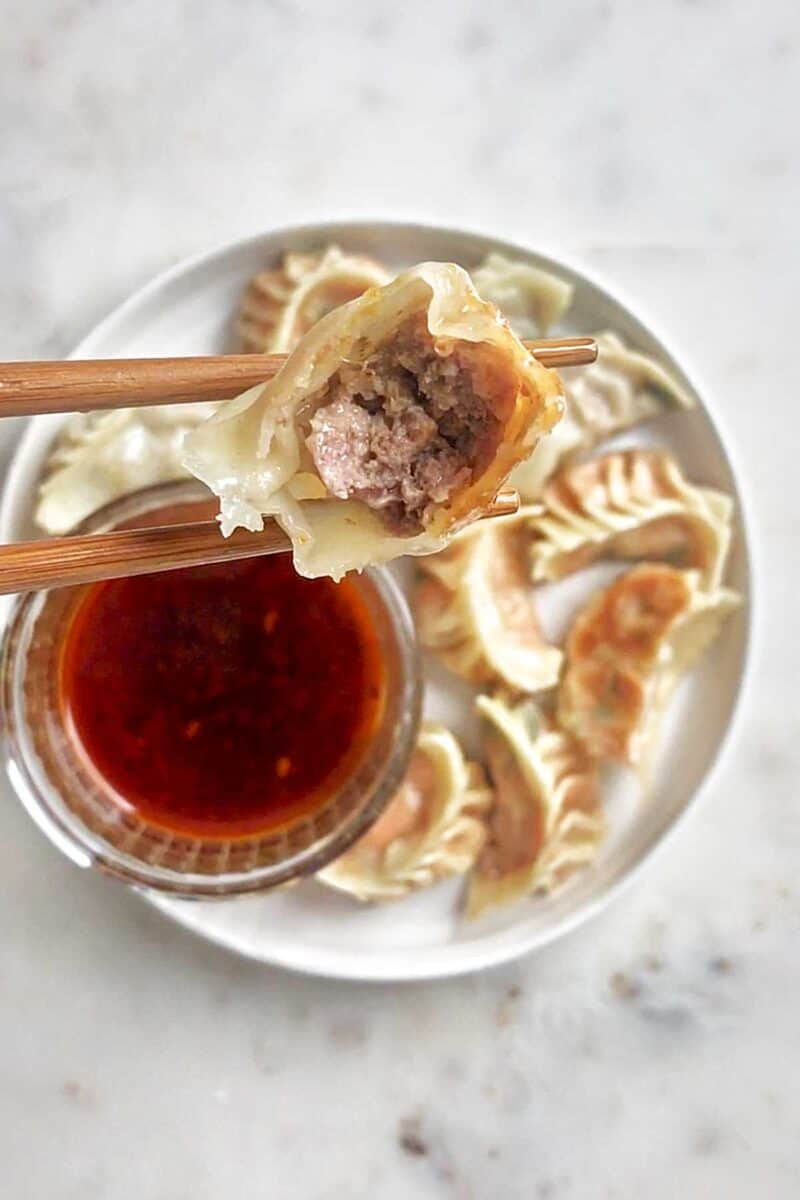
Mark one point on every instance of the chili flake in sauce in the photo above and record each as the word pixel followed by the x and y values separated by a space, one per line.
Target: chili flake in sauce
pixel 225 700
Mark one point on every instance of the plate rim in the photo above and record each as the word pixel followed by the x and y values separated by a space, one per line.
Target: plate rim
pixel 407 964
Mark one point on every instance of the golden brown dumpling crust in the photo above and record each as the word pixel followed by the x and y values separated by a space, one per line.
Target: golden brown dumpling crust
pixel 626 651
pixel 629 620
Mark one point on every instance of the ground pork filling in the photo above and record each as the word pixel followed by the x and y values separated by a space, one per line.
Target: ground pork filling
pixel 406 429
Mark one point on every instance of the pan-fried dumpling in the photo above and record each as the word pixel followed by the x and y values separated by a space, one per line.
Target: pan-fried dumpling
pixel 531 299
pixel 626 652
pixel 431 829
pixel 104 455
pixel 474 608
pixel 622 388
pixel 393 423
pixel 546 818
pixel 632 504
pixel 280 306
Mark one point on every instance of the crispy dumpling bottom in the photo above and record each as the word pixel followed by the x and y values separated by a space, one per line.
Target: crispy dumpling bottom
pixel 627 650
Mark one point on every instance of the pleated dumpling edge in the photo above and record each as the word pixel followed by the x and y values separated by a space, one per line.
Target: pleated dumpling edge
pixel 394 422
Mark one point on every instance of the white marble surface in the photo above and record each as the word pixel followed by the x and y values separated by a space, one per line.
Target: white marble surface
pixel 652 1053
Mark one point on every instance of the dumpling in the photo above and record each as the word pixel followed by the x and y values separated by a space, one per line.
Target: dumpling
pixel 431 829
pixel 626 652
pixel 104 455
pixel 546 817
pixel 621 389
pixel 531 299
pixel 392 423
pixel 280 306
pixel 631 504
pixel 474 608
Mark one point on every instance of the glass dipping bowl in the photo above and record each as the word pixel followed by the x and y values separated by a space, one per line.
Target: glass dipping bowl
pixel 76 807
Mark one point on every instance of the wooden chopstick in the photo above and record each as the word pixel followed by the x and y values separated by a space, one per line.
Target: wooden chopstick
pixel 64 561
pixel 88 558
pixel 30 388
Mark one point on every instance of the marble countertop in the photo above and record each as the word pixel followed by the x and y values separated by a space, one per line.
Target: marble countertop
pixel 652 1052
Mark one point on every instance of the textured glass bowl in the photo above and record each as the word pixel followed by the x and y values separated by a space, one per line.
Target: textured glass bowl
pixel 76 807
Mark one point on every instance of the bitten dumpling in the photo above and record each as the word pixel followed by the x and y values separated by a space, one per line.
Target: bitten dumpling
pixel 530 298
pixel 627 650
pixel 634 504
pixel 394 422
pixel 546 818
pixel 621 389
pixel 101 456
pixel 281 305
pixel 431 829
pixel 474 608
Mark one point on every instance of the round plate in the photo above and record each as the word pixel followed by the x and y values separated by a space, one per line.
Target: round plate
pixel 189 310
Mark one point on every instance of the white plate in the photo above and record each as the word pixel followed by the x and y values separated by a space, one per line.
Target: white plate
pixel 188 310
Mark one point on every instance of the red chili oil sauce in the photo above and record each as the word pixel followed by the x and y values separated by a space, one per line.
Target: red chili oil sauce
pixel 225 700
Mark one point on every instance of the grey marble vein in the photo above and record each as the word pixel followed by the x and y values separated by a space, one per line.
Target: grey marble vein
pixel 653 1053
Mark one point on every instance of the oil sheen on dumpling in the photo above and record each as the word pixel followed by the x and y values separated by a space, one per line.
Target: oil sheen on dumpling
pixel 474 608
pixel 431 829
pixel 633 504
pixel 626 652
pixel 101 456
pixel 530 298
pixel 546 818
pixel 393 422
pixel 622 388
pixel 281 305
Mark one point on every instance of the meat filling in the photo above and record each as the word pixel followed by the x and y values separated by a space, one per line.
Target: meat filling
pixel 410 426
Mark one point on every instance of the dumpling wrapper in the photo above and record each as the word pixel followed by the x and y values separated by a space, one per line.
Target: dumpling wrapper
pixel 474 608
pixel 621 389
pixel 281 305
pixel 546 818
pixel 255 453
pixel 633 504
pixel 627 651
pixel 431 829
pixel 102 456
pixel 531 299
